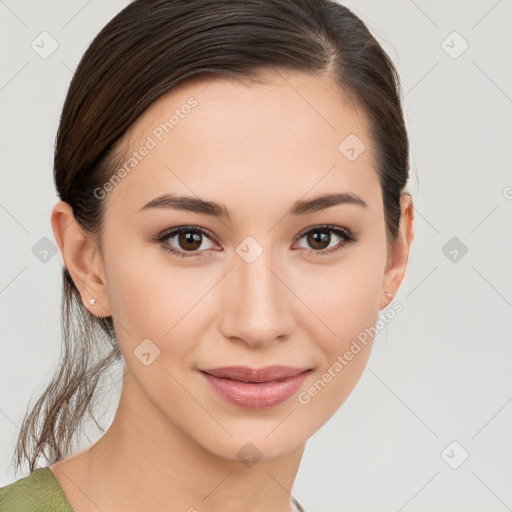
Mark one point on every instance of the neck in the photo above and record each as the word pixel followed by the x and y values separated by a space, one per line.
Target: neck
pixel 145 462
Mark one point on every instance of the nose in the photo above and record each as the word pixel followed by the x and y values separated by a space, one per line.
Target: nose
pixel 257 307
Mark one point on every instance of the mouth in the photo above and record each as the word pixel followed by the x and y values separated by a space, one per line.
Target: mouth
pixel 251 388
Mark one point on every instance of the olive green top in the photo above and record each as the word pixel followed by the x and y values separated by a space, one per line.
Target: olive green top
pixel 40 491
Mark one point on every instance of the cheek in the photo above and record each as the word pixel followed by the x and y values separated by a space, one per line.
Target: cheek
pixel 152 300
pixel 347 303
pixel 135 292
pixel 342 356
pixel 346 298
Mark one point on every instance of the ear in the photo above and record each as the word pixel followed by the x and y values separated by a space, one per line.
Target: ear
pixel 82 258
pixel 399 252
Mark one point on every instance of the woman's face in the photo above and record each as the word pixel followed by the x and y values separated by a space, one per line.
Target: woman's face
pixel 249 290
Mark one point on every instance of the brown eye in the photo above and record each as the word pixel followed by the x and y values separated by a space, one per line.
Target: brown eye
pixel 188 240
pixel 319 240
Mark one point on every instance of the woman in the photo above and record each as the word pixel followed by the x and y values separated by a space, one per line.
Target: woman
pixel 233 217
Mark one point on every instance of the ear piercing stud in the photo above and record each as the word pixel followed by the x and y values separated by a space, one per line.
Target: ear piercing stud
pixel 92 301
pixel 388 295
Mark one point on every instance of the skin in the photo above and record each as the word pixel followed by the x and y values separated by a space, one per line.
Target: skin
pixel 255 149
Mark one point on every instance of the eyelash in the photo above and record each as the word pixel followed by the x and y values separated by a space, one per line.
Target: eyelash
pixel 347 236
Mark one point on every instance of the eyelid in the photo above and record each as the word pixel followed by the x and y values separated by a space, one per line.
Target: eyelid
pixel 347 236
pixel 318 227
pixel 172 232
pixel 166 233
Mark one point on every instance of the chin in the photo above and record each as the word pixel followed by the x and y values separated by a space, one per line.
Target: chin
pixel 256 440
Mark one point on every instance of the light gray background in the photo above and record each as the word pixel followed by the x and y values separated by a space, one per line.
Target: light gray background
pixel 439 372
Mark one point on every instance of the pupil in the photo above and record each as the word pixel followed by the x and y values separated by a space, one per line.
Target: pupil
pixel 190 238
pixel 317 238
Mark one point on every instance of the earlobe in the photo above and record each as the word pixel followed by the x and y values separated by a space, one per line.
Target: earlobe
pixel 399 254
pixel 82 258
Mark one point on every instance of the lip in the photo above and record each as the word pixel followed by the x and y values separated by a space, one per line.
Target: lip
pixel 252 388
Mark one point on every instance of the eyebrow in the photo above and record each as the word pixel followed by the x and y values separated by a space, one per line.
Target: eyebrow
pixel 301 207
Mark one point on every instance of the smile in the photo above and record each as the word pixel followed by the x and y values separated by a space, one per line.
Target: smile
pixel 255 389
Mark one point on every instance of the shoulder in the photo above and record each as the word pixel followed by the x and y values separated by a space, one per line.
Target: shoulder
pixel 37 492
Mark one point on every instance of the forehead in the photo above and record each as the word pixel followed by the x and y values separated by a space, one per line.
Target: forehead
pixel 246 143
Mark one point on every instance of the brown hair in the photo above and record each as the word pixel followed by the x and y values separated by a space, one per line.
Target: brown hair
pixel 146 50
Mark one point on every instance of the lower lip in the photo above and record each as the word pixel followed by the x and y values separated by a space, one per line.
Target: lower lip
pixel 252 395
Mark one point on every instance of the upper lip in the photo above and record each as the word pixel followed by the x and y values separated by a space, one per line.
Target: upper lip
pixel 246 374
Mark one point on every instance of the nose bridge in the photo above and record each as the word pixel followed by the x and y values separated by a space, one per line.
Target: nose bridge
pixel 257 310
pixel 259 283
